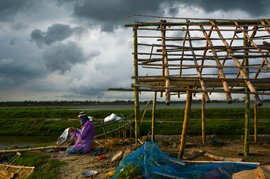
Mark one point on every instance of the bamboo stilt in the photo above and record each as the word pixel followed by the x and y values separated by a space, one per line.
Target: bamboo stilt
pixel 165 68
pixel 136 92
pixel 203 119
pixel 153 117
pixel 247 103
pixel 255 122
pixel 185 123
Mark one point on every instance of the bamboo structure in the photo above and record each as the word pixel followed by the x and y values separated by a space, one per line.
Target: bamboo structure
pixel 200 55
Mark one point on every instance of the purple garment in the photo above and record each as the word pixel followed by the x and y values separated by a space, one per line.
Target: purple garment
pixel 84 137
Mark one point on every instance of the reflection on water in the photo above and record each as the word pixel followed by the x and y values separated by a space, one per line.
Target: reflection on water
pixel 25 141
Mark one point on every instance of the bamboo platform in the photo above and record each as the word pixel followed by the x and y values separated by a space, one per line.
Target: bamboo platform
pixel 15 171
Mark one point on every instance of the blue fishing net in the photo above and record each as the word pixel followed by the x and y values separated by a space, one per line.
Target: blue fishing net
pixel 152 163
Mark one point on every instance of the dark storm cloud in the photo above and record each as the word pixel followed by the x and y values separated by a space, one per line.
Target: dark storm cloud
pixel 110 14
pixel 254 8
pixel 62 57
pixel 9 8
pixel 56 32
pixel 113 13
pixel 15 72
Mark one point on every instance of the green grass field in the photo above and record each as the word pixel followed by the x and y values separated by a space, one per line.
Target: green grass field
pixel 52 121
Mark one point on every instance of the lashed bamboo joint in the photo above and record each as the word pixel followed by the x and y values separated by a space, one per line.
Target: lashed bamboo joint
pixel 205 54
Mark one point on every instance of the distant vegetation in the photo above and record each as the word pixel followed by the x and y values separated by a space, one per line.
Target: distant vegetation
pixel 82 103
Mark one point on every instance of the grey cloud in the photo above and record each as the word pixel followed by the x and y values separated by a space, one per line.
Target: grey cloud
pixel 114 13
pixel 62 56
pixel 12 42
pixel 88 91
pixel 255 8
pixel 16 72
pixel 9 8
pixel 56 32
pixel 18 26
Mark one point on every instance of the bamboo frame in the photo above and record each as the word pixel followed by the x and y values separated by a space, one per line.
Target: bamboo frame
pixel 201 55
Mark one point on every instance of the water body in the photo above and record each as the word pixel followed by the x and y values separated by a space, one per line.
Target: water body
pixel 26 141
pixel 164 106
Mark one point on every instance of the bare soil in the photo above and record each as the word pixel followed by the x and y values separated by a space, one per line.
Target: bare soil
pixel 74 165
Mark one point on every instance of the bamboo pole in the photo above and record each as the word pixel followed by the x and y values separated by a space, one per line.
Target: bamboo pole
pixel 185 122
pixel 153 117
pixel 220 71
pixel 31 149
pixel 144 111
pixel 136 92
pixel 238 64
pixel 175 38
pixel 203 86
pixel 165 69
pixel 255 122
pixel 247 102
pixel 219 158
pixel 203 118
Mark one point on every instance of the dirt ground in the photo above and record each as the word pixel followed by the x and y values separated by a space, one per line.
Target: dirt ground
pixel 223 148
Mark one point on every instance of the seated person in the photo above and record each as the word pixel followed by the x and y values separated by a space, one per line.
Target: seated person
pixel 84 137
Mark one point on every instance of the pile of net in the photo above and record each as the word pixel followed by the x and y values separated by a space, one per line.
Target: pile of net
pixel 150 162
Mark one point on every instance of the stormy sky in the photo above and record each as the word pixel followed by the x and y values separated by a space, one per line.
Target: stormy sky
pixel 77 49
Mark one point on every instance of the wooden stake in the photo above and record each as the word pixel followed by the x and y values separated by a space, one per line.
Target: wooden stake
pixel 185 122
pixel 153 117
